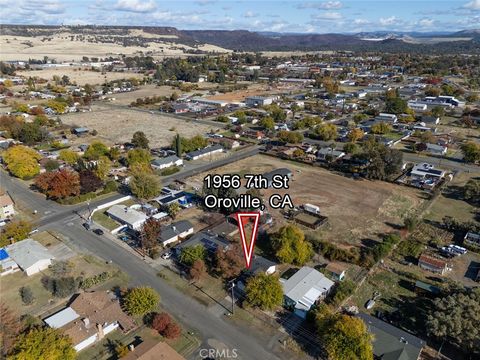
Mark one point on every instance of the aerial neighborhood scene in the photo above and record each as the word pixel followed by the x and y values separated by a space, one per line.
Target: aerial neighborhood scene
pixel 240 180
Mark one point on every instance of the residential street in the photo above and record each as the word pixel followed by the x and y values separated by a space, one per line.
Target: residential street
pixel 209 327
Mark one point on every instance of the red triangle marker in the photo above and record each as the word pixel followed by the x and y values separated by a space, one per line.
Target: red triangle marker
pixel 243 218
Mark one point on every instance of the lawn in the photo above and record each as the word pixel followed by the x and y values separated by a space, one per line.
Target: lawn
pixel 84 266
pixel 450 202
pixel 104 220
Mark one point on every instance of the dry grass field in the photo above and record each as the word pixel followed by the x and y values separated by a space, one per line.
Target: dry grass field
pixel 61 47
pixel 118 125
pixel 79 75
pixel 357 209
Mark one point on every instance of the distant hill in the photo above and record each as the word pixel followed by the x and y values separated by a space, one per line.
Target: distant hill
pixel 467 41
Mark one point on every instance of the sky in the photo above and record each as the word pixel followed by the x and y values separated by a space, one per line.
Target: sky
pixel 277 16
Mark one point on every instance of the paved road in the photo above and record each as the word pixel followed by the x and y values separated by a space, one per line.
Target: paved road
pixel 235 156
pixel 210 326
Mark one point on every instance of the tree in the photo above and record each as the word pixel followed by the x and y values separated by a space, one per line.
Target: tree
pixel 22 161
pixel 229 263
pixel 455 318
pixel 95 150
pixel 61 268
pixel 178 145
pixel 10 327
pixel 102 167
pixel 31 133
pixel 267 123
pixel 292 137
pixel 326 131
pixel 139 156
pixel 396 105
pixel 27 295
pixel 355 134
pixel 197 270
pixel 342 291
pixel 161 321
pixel 15 231
pixel 172 331
pixel 69 156
pixel 471 152
pixel 290 245
pixel 89 181
pixel 173 209
pixel 59 184
pixel 43 343
pixel 346 337
pixel 190 254
pixel 139 140
pixel 264 291
pixel 144 185
pixel 351 148
pixel 471 190
pixel 141 300
pixel 381 128
pixel 149 234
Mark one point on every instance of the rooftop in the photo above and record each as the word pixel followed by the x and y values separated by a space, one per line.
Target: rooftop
pixel 126 214
pixel 390 342
pixel 28 252
pixel 170 231
pixel 306 286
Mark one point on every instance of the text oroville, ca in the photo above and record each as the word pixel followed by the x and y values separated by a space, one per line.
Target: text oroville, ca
pixel 246 200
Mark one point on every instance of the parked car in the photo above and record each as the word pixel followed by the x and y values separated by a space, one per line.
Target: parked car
pixel 86 225
pixel 98 231
pixel 167 255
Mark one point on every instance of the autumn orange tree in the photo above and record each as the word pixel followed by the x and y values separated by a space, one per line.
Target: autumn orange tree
pixel 229 263
pixel 198 270
pixel 149 234
pixel 10 327
pixel 59 184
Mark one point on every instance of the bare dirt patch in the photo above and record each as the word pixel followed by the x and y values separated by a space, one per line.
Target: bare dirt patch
pixel 356 209
pixel 118 125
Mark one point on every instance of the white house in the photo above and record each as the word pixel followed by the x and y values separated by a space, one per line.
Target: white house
pixel 258 100
pixel 304 288
pixel 127 216
pixel 175 231
pixel 388 118
pixel 417 106
pixel 166 162
pixel 30 256
pixel 424 170
pixel 326 152
pixel 209 150
pixel 6 206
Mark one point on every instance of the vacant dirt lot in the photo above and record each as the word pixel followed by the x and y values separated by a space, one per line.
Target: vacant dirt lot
pixel 80 75
pixel 142 92
pixel 240 95
pixel 118 125
pixel 357 209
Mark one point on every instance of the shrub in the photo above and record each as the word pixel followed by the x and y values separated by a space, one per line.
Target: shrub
pixel 95 280
pixel 170 171
pixel 161 321
pixel 172 331
pixel 27 295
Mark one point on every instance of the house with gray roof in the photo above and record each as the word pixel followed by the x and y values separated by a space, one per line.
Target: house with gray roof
pixel 30 256
pixel 390 342
pixel 175 231
pixel 127 216
pixel 209 150
pixel 166 162
pixel 304 288
pixel 210 241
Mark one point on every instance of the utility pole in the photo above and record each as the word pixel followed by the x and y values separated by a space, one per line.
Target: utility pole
pixel 232 295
